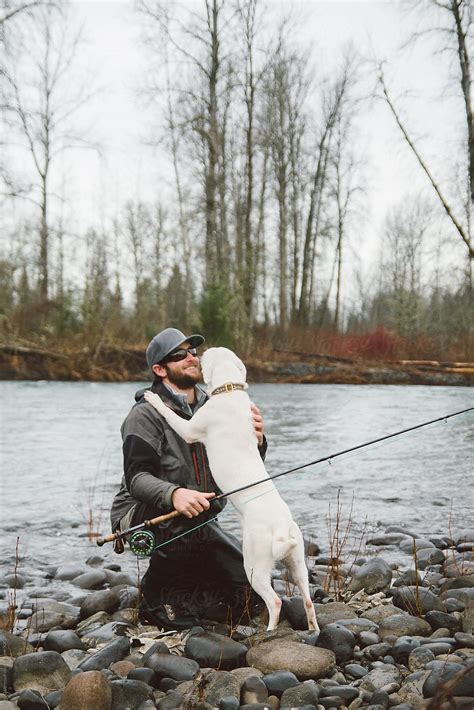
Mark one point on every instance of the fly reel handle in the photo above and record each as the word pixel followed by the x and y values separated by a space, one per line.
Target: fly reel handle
pixel 146 524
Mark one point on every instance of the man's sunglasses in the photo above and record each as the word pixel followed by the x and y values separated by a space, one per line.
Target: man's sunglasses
pixel 180 354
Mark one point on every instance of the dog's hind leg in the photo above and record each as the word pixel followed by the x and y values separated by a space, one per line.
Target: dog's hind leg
pixel 259 579
pixel 297 566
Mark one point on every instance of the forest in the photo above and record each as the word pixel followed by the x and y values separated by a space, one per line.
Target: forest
pixel 255 235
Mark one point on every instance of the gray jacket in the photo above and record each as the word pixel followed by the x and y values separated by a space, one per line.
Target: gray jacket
pixel 157 461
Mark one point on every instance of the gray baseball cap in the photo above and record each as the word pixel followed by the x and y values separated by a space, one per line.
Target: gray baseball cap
pixel 166 341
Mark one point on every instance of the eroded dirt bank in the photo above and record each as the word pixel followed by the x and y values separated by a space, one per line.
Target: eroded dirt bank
pixel 122 365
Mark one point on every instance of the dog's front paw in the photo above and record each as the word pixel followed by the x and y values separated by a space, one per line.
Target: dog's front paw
pixel 153 399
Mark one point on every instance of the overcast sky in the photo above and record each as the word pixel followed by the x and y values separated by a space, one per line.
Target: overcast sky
pixel 128 168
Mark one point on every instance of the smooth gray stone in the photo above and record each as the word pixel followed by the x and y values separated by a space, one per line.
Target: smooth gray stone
pixel 69 571
pixel 339 640
pixel 279 681
pixel 332 701
pixel 43 671
pixel 128 694
pixel 438 648
pixel 253 690
pixel 447 672
pixel 440 619
pixel 145 675
pixel 354 670
pixel 374 576
pixel 416 600
pixel 90 580
pixel 357 626
pixel 306 693
pixel 31 700
pixel 407 578
pixel 104 634
pixel 62 641
pixel 402 648
pixel 114 651
pixel 229 703
pixel 377 650
pixel 380 697
pixel 213 650
pixel 464 640
pixel 368 638
pixel 12 645
pixel 346 692
pixel 170 666
pixel 428 557
pixel 103 600
pixel 420 543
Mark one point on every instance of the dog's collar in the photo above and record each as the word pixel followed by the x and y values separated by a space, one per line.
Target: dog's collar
pixel 228 387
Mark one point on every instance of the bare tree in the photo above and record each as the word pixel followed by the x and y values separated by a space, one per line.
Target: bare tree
pixel 452 22
pixel 40 108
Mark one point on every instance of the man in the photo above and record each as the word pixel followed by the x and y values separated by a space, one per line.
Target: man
pixel 200 574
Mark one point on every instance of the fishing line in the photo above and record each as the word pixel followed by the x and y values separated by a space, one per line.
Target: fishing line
pixel 325 459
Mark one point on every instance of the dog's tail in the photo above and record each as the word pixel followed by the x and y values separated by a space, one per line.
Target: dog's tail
pixel 284 540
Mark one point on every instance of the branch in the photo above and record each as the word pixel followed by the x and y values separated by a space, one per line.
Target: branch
pixel 459 228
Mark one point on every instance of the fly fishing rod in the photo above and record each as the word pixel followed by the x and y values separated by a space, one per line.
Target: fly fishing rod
pixel 142 540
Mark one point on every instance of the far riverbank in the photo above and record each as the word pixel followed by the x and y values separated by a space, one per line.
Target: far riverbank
pixel 111 364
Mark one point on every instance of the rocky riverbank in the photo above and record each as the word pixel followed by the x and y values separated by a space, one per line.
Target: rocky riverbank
pixel 110 364
pixel 397 634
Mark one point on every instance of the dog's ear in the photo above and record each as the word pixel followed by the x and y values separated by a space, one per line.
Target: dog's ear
pixel 206 364
pixel 236 361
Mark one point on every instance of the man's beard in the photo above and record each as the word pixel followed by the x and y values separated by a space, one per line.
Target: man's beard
pixel 181 379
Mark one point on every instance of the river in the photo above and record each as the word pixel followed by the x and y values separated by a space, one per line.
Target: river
pixel 61 461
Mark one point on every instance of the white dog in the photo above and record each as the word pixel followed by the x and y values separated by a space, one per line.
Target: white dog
pixel 224 425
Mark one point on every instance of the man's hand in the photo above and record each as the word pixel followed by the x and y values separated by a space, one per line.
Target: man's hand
pixel 258 424
pixel 190 503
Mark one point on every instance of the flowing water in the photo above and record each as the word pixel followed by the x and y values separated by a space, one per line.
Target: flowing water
pixel 61 461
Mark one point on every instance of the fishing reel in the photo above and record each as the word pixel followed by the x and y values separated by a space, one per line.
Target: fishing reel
pixel 142 543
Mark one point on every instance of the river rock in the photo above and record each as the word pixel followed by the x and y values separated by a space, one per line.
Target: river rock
pixel 439 620
pixel 74 657
pixel 403 625
pixel 31 700
pixel 447 672
pixel 167 665
pixel 214 686
pixel 49 612
pixel 105 634
pixel 332 612
pixel 359 626
pixel 460 535
pixel 94 579
pixel 306 662
pixel 429 556
pixel 86 691
pixel 103 600
pixel 416 600
pixel 374 576
pixel 62 641
pixel 6 673
pixel 114 651
pixel 338 639
pixel 11 645
pixel 7 705
pixel 419 543
pixel 43 671
pixel 388 538
pixel 463 639
pixel 380 677
pixel 279 681
pixel 419 657
pixel 346 692
pixel 245 672
pixel 253 691
pixel 128 694
pixel 213 650
pixel 407 578
pixel 378 613
pixel 69 571
pixel 354 670
pixel 306 693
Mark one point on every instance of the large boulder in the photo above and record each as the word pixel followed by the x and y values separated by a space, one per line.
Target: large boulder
pixel 373 576
pixel 306 662
pixel 86 691
pixel 43 671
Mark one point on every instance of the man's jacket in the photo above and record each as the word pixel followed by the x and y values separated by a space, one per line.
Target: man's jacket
pixel 157 461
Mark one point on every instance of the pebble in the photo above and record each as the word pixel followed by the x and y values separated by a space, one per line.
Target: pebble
pixel 387 657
